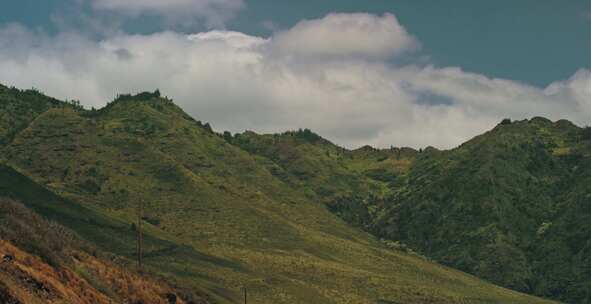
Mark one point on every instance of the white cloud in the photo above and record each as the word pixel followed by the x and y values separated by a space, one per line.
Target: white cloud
pixel 358 34
pixel 233 81
pixel 232 39
pixel 186 12
pixel 576 89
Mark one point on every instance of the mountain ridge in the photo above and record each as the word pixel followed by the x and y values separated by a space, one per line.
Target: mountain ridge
pixel 238 215
pixel 544 153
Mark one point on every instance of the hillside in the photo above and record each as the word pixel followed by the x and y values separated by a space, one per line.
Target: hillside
pixel 511 206
pixel 352 184
pixel 18 108
pixel 44 262
pixel 218 217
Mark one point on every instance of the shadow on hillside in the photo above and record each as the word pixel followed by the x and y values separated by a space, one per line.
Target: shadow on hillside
pixel 106 233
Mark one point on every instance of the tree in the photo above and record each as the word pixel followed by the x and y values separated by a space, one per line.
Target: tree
pixel 227 136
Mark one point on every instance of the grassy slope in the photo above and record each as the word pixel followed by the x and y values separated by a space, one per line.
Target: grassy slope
pixel 220 217
pixel 18 108
pixel 511 205
pixel 353 184
pixel 51 264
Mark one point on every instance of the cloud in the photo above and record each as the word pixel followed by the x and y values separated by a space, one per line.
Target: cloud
pixel 186 12
pixel 576 90
pixel 237 82
pixel 358 34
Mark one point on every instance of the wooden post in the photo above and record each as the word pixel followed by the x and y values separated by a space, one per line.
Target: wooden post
pixel 245 299
pixel 139 233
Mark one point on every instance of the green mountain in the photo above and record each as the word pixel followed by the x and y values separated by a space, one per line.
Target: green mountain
pixel 223 212
pixel 511 206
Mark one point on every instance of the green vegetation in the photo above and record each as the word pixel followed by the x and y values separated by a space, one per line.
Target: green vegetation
pixel 18 108
pixel 222 212
pixel 511 206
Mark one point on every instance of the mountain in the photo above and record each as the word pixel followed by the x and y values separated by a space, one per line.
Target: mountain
pixel 216 216
pixel 511 206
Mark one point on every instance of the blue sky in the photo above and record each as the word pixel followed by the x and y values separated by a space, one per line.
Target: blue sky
pixel 509 39
pixel 359 72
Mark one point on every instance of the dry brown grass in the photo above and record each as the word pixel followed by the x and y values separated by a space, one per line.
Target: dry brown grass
pixel 30 280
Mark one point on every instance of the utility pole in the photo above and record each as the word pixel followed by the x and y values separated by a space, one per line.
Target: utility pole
pixel 244 289
pixel 139 233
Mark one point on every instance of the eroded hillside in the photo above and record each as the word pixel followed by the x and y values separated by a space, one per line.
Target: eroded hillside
pixel 44 262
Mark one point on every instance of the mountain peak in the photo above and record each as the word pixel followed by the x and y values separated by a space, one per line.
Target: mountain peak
pixel 540 120
pixel 143 97
pixel 537 121
pixel 140 96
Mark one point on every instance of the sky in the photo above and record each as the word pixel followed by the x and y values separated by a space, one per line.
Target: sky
pixel 384 73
